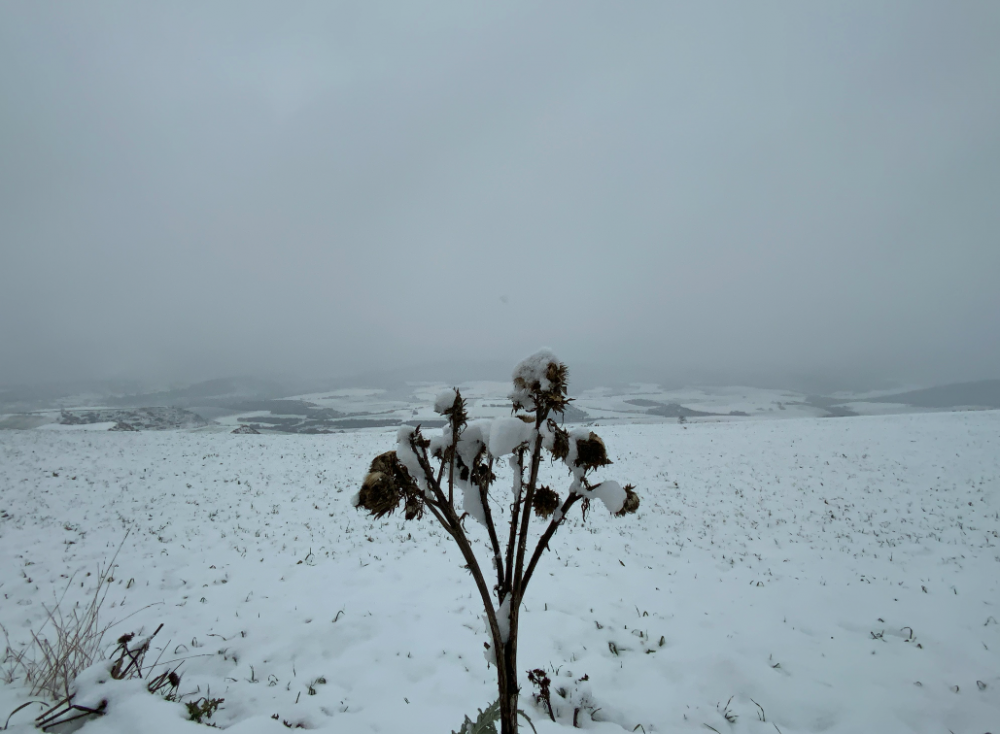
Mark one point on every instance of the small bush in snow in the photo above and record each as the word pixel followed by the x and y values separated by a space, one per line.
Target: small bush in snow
pixel 203 708
pixel 451 476
pixel 87 696
pixel 68 641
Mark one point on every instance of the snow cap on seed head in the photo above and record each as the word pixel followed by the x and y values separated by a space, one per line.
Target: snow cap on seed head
pixel 540 383
pixel 450 404
pixel 444 400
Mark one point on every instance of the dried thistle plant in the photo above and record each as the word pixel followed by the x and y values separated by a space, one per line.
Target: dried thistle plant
pixel 451 476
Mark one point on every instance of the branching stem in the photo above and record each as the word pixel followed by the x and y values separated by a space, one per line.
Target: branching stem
pixel 543 542
pixel 522 544
pixel 517 463
pixel 484 484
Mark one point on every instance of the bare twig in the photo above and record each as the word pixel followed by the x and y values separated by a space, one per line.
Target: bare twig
pixel 22 706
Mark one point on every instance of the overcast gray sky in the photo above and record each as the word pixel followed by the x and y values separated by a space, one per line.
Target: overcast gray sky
pixel 189 190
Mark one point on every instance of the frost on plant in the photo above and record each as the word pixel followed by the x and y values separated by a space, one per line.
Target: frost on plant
pixel 452 476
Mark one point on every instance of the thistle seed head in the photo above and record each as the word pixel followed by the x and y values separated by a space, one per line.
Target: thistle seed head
pixel 590 452
pixel 560 442
pixel 631 503
pixel 379 494
pixel 545 501
pixel 386 485
pixel 385 463
pixel 540 384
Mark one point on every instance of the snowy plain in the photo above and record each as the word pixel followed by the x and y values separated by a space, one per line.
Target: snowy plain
pixel 802 575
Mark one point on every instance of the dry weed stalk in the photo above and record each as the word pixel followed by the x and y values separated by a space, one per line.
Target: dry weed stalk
pixel 72 643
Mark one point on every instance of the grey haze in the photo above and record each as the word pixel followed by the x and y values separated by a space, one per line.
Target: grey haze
pixel 190 190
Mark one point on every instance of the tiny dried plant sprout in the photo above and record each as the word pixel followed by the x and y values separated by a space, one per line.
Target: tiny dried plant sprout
pixel 452 476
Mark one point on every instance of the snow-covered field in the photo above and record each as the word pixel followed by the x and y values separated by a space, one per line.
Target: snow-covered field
pixel 805 575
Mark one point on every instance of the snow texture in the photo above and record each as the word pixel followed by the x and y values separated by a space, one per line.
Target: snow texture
pixel 503 619
pixel 475 436
pixel 445 400
pixel 507 433
pixel 841 574
pixel 472 438
pixel 440 442
pixel 408 458
pixel 610 493
pixel 471 501
pixel 548 436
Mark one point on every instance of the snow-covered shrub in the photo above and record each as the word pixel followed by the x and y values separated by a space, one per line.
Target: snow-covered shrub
pixel 119 687
pixel 451 476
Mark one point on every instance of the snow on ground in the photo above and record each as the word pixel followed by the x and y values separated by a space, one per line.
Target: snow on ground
pixel 835 575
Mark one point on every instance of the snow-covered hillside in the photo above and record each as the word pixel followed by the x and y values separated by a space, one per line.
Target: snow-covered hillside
pixel 798 576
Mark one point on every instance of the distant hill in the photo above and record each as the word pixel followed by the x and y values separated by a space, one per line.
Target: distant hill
pixel 572 414
pixel 675 410
pixel 138 419
pixel 984 394
pixel 210 392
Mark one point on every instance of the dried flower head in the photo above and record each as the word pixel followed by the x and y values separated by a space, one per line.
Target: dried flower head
pixel 560 441
pixel 631 503
pixel 545 501
pixel 590 452
pixel 386 485
pixel 540 383
pixel 379 494
pixel 385 463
